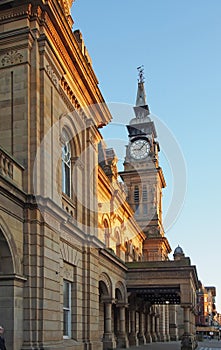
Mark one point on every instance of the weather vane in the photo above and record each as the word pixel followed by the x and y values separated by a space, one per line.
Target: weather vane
pixel 140 74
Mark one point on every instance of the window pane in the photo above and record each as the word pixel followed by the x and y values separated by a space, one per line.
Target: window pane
pixel 66 168
pixel 66 322
pixel 67 309
pixel 67 180
pixel 66 295
pixel 63 178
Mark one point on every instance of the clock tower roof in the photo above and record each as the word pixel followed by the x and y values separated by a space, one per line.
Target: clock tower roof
pixel 141 124
pixel 141 95
pixel 141 108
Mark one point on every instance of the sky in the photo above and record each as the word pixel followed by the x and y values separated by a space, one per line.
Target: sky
pixel 179 45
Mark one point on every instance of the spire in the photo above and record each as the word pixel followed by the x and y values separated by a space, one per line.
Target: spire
pixel 141 95
pixel 141 109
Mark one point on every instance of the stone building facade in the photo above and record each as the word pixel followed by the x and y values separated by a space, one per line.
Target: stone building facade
pixel 72 253
pixel 206 301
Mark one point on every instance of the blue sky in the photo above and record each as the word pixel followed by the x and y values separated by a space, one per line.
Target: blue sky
pixel 178 42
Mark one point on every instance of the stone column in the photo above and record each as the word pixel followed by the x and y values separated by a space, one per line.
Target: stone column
pixel 186 311
pixel 157 320
pixel 141 336
pixel 167 328
pixel 148 328
pixel 162 323
pixel 193 329
pixel 188 341
pixel 133 334
pixel 108 338
pixel 153 327
pixel 127 321
pixel 122 340
pixel 173 322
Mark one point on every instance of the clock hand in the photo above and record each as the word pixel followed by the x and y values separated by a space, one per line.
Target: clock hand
pixel 142 146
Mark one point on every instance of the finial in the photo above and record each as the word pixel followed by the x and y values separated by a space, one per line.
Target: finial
pixel 140 74
pixel 141 95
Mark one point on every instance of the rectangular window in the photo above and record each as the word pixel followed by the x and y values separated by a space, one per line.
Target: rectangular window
pixel 136 194
pixel 144 193
pixel 66 309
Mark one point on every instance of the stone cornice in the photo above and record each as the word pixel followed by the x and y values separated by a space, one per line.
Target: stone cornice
pixel 76 79
pixel 13 277
pixel 83 77
pixel 51 21
pixel 11 191
pixel 180 270
pixel 16 12
pixel 113 258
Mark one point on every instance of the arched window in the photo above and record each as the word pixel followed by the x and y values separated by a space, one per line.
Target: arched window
pixel 66 166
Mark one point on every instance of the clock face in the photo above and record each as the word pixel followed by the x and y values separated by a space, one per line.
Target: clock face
pixel 139 149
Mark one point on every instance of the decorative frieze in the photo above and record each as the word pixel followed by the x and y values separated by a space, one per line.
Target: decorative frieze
pixel 70 99
pixel 11 57
pixel 69 93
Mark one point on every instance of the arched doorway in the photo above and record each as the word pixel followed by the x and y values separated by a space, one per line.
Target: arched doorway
pixel 6 263
pixel 11 293
pixel 103 293
pixel 105 312
pixel 116 312
pixel 119 309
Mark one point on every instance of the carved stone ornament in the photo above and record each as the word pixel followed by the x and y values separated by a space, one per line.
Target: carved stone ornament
pixel 11 57
pixel 66 6
pixel 52 75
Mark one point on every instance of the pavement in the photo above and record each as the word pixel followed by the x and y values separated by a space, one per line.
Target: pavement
pixel 158 346
pixel 205 345
pixel 209 345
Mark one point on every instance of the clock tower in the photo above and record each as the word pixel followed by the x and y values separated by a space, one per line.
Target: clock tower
pixel 144 177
